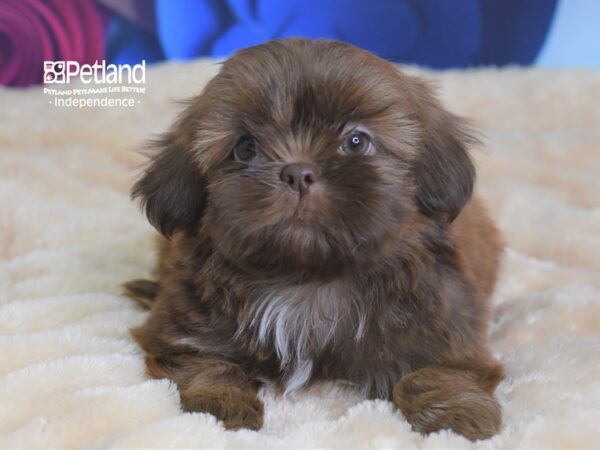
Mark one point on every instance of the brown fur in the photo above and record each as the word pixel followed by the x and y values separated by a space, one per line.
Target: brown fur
pixel 379 274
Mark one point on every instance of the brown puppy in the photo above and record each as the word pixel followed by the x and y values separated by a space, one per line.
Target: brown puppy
pixel 321 222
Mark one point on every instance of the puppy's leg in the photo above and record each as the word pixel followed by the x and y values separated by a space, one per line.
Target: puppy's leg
pixel 208 384
pixel 438 398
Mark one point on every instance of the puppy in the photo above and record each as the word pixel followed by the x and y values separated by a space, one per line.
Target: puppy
pixel 318 205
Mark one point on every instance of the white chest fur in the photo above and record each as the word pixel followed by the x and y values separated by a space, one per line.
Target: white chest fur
pixel 301 321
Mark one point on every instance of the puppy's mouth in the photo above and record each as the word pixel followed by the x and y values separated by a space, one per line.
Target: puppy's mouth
pixel 305 208
pixel 302 213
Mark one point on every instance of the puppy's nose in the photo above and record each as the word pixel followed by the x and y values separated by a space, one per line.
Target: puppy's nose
pixel 299 176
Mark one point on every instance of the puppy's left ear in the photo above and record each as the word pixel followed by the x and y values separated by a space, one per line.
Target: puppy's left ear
pixel 172 189
pixel 445 173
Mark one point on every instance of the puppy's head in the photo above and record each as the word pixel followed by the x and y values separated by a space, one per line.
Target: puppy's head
pixel 308 157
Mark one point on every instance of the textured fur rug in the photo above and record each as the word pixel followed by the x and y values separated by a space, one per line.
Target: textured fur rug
pixel 70 375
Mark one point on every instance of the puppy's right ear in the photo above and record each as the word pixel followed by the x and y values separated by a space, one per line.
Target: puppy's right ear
pixel 172 189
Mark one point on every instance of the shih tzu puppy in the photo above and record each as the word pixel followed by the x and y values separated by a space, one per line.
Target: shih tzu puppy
pixel 321 226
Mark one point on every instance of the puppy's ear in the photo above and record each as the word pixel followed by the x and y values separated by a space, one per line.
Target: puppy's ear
pixel 445 174
pixel 172 189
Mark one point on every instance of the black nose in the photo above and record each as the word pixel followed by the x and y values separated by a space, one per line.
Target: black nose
pixel 299 177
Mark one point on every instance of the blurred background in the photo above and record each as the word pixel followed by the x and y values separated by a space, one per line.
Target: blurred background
pixel 432 33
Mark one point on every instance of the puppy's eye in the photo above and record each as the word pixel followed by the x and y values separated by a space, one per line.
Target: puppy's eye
pixel 245 149
pixel 357 143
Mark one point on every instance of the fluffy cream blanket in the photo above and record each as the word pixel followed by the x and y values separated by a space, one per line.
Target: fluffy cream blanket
pixel 70 375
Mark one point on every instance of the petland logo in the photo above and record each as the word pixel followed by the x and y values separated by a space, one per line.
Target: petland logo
pixel 105 85
pixel 61 72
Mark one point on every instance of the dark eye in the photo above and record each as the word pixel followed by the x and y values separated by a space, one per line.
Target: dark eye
pixel 358 143
pixel 245 150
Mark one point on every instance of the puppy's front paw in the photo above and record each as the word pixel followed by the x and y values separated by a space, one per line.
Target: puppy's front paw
pixel 436 399
pixel 236 407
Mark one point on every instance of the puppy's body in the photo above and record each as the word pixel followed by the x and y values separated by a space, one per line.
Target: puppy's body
pixel 369 268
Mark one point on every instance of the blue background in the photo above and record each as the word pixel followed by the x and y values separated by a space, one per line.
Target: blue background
pixel 433 33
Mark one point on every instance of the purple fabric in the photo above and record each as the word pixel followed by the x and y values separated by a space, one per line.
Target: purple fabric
pixel 138 12
pixel 32 31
